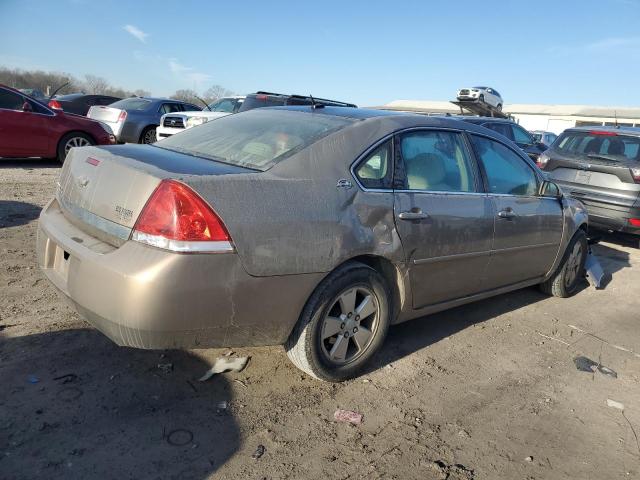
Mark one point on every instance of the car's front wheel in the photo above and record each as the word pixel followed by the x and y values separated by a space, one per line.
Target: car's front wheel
pixel 499 107
pixel 343 324
pixel 72 140
pixel 570 273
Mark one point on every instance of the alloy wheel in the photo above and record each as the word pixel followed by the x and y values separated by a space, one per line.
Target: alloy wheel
pixel 573 265
pixel 149 136
pixel 349 325
pixel 75 142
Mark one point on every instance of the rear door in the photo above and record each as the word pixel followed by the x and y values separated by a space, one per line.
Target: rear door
pixel 444 220
pixel 528 227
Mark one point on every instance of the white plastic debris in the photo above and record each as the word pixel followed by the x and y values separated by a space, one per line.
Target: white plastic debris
pixel 595 274
pixel 225 364
pixel 614 404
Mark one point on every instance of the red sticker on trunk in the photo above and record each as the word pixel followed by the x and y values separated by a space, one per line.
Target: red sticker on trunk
pixel 93 161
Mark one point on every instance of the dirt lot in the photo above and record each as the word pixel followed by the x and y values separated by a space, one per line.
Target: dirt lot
pixel 486 391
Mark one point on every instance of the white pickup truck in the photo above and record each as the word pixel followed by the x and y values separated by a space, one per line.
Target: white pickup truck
pixel 172 123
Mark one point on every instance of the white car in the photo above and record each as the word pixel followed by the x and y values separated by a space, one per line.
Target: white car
pixel 487 95
pixel 172 123
pixel 546 138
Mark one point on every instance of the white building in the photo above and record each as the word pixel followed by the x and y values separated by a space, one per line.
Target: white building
pixel 552 118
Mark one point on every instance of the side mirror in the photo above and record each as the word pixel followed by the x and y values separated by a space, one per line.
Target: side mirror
pixel 26 107
pixel 550 190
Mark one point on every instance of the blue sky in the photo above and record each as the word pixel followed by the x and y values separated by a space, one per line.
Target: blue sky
pixel 368 52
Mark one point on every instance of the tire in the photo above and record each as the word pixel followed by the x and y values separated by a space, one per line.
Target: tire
pixel 148 135
pixel 481 98
pixel 499 107
pixel 72 140
pixel 329 310
pixel 570 273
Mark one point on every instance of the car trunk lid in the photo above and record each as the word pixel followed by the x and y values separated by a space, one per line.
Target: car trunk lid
pixel 103 190
pixel 104 114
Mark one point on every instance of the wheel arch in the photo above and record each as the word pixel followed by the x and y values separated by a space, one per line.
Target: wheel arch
pixel 68 132
pixel 392 275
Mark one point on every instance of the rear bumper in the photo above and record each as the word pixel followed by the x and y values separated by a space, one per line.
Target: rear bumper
pixel 144 297
pixel 611 218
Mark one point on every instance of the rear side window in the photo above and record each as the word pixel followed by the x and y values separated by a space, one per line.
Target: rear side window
pixel 258 139
pixel 520 135
pixel 132 104
pixel 610 146
pixel 436 162
pixel 507 173
pixel 375 170
pixel 259 101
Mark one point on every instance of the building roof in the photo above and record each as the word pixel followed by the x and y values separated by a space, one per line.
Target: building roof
pixel 427 106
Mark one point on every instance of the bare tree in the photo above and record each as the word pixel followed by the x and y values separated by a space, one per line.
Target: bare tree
pixel 215 92
pixel 186 95
pixel 96 85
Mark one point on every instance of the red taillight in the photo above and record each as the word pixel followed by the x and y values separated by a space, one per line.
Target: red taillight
pixel 55 104
pixel 635 222
pixel 603 133
pixel 635 173
pixel 123 116
pixel 176 218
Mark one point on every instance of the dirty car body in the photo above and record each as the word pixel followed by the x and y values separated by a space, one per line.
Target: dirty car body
pixel 367 187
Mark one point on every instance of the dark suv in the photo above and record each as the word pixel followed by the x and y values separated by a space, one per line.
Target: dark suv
pixel 513 132
pixel 268 99
pixel 601 167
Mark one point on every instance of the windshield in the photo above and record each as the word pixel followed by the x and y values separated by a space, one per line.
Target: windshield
pixel 131 104
pixel 608 145
pixel 257 139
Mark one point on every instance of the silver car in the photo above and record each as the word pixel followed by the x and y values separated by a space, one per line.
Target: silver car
pixel 316 228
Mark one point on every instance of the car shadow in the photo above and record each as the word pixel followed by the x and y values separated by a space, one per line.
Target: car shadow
pixel 13 213
pixel 29 163
pixel 75 405
pixel 611 259
pixel 409 337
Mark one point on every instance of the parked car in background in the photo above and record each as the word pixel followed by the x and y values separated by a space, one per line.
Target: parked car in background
pixel 135 119
pixel 546 138
pixel 172 123
pixel 315 228
pixel 29 128
pixel 600 166
pixel 79 103
pixel 513 132
pixel 34 93
pixel 487 95
pixel 268 99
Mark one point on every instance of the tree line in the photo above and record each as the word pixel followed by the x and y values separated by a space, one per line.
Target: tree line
pixel 48 82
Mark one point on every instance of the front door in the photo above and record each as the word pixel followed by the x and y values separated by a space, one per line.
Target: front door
pixel 22 133
pixel 528 227
pixel 444 220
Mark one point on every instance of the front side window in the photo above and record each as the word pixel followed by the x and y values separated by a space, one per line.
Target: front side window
pixel 375 170
pixel 171 108
pixel 437 162
pixel 520 135
pixel 507 173
pixel 10 100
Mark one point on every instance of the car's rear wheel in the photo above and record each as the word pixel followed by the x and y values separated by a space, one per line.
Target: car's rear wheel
pixel 72 140
pixel 343 324
pixel 499 107
pixel 570 273
pixel 481 98
pixel 148 135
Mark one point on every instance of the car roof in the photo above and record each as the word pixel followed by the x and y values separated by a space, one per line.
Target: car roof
pixel 480 120
pixel 613 129
pixel 348 112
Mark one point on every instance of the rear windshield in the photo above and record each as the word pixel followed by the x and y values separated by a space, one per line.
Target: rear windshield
pixel 258 139
pixel 131 104
pixel 259 101
pixel 608 146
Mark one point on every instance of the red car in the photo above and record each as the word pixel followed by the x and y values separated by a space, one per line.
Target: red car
pixel 29 128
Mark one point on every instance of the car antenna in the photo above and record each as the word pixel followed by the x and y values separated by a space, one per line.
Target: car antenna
pixel 615 115
pixel 57 90
pixel 203 102
pixel 315 105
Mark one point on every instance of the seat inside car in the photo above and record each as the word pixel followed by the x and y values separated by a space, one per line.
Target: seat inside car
pixel 426 171
pixel 616 147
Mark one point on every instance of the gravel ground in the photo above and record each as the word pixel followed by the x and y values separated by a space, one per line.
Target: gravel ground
pixel 485 391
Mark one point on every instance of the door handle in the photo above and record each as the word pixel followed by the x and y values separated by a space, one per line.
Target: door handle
pixel 507 213
pixel 419 215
